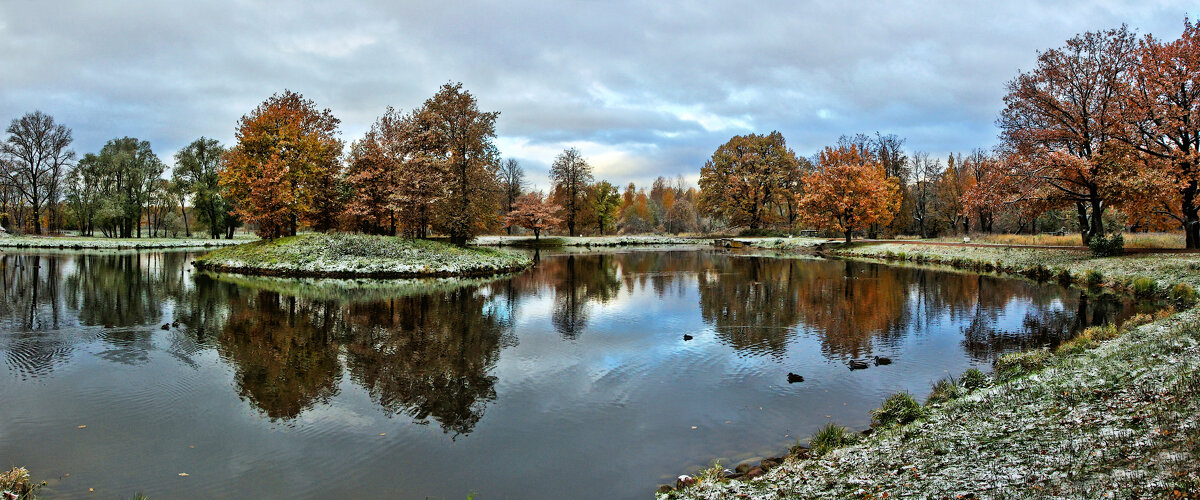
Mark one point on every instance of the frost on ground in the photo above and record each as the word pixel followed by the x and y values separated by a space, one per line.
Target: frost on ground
pixel 353 255
pixel 1118 421
pixel 70 242
pixel 1165 269
pixel 587 241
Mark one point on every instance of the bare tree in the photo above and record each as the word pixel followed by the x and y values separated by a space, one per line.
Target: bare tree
pixel 512 180
pixel 35 154
pixel 571 174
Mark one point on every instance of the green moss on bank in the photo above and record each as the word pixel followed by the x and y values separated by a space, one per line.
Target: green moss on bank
pixel 341 255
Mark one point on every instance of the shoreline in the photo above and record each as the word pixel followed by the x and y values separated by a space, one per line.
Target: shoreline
pixel 939 454
pixel 101 243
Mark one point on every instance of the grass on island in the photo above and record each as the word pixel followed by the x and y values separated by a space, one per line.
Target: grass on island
pixel 341 255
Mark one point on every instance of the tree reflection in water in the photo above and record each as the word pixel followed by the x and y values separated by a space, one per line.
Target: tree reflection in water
pixel 283 351
pixel 428 351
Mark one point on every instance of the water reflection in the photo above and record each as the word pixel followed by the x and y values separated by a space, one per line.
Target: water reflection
pixel 577 362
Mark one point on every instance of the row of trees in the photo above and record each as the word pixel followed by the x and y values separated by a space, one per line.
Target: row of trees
pixel 119 191
pixel 1107 123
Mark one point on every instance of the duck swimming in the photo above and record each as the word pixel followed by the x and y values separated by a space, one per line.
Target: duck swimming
pixel 880 360
pixel 793 378
pixel 687 337
pixel 858 365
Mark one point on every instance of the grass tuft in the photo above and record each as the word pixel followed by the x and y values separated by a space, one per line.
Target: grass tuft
pixel 831 437
pixel 1015 364
pixel 945 390
pixel 973 379
pixel 1145 288
pixel 899 408
pixel 1182 294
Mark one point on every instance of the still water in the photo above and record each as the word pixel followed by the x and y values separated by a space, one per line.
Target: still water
pixel 571 380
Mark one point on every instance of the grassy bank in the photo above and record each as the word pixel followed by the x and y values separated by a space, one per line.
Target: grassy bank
pixel 585 241
pixel 360 256
pixel 1112 412
pixel 76 242
pixel 1165 270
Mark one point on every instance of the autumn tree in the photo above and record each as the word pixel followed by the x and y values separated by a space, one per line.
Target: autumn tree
pixel 282 172
pixel 848 192
pixel 370 176
pixel 533 212
pixel 196 173
pixel 746 176
pixel 459 139
pixel 1163 110
pixel 1064 120
pixel 571 174
pixel 984 188
pixel 512 183
pixel 605 201
pixel 34 159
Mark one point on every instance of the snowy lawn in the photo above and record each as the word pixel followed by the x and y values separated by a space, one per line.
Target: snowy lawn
pixel 354 255
pixel 75 242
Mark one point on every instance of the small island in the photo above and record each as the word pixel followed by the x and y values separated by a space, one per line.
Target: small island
pixel 342 255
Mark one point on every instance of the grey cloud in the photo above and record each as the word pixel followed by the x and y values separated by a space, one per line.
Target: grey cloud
pixel 618 76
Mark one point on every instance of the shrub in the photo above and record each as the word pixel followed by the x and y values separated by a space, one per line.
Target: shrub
pixel 1138 320
pixel 1076 345
pixel 973 379
pixel 899 408
pixel 945 390
pixel 1018 363
pixel 1102 246
pixel 1038 272
pixel 17 482
pixel 1093 278
pixel 1063 276
pixel 1145 288
pixel 1182 294
pixel 830 437
pixel 1101 333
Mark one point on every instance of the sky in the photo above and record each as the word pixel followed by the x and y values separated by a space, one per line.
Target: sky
pixel 641 88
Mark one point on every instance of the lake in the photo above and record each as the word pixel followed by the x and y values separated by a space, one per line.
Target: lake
pixel 123 371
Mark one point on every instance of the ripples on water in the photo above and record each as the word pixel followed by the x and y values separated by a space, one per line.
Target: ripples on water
pixel 571 379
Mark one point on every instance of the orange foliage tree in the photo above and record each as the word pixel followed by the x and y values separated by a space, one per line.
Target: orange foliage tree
pixel 746 177
pixel 1064 121
pixel 1163 110
pixel 848 191
pixel 533 212
pixel 283 170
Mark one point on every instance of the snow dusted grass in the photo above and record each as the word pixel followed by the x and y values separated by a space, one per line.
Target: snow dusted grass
pixel 1121 420
pixel 353 255
pixel 586 241
pixel 1166 270
pixel 75 242
pixel 797 243
pixel 1112 414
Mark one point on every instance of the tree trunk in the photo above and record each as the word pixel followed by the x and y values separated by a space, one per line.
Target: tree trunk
pixel 1191 218
pixel 1097 217
pixel 187 231
pixel 848 231
pixel 1085 231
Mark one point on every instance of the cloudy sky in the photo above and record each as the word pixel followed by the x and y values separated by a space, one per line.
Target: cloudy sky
pixel 642 88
